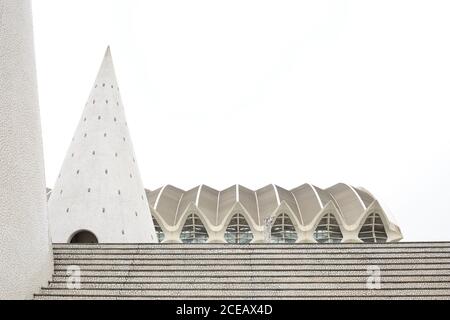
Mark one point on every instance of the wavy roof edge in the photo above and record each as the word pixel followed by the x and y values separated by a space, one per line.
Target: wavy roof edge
pixel 305 203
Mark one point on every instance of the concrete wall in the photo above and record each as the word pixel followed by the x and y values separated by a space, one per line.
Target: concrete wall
pixel 25 254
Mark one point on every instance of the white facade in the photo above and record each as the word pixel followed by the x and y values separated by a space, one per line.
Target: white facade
pixel 99 188
pixel 25 254
pixel 341 213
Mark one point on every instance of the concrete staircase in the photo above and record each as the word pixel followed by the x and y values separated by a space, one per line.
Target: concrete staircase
pixel 257 271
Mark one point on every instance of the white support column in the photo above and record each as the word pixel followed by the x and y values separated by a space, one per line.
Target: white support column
pixel 25 251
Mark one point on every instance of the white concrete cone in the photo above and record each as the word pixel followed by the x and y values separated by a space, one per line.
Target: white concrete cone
pixel 99 193
pixel 25 251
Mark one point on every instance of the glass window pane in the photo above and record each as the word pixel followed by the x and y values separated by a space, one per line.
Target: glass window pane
pixel 373 229
pixel 193 230
pixel 283 230
pixel 328 230
pixel 238 230
pixel 158 230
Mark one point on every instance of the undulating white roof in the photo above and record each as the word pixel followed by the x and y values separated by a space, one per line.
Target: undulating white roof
pixel 305 206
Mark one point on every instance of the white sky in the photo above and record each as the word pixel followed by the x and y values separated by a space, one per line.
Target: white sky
pixel 258 92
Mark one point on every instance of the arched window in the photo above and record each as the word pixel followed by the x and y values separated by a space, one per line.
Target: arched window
pixel 193 230
pixel 283 230
pixel 373 229
pixel 158 230
pixel 328 230
pixel 83 236
pixel 238 230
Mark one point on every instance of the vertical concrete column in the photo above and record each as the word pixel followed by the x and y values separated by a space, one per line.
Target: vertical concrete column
pixel 25 250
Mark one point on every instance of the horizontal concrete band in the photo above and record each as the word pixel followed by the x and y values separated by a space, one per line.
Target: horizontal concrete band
pixel 249 252
pixel 123 297
pixel 230 268
pixel 231 263
pixel 253 286
pixel 186 246
pixel 249 293
pixel 186 261
pixel 247 256
pixel 252 279
pixel 130 274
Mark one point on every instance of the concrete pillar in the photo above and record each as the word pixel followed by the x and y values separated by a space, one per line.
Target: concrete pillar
pixel 25 251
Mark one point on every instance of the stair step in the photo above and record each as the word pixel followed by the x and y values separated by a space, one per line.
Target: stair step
pixel 253 262
pixel 253 256
pixel 160 250
pixel 257 260
pixel 208 246
pixel 240 267
pixel 251 286
pixel 252 293
pixel 412 296
pixel 252 279
pixel 255 273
